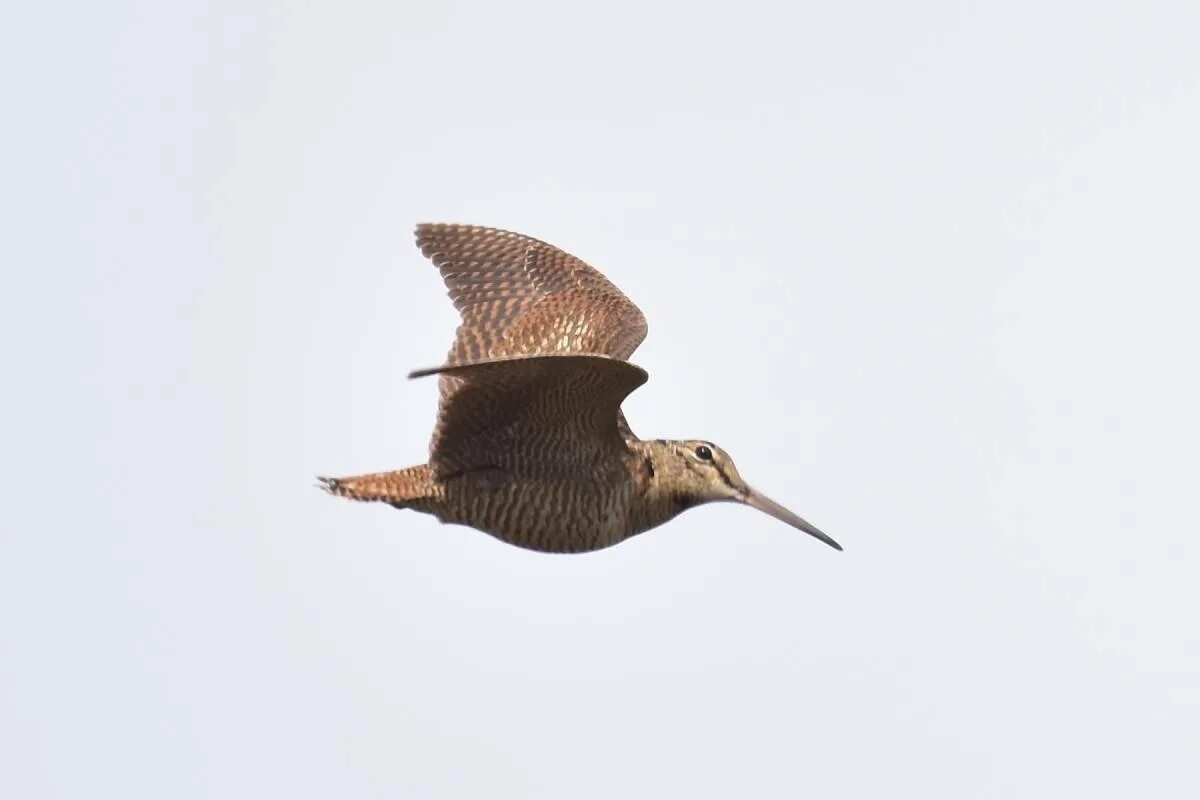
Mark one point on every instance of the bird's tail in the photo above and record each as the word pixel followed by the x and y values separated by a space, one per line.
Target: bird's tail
pixel 401 488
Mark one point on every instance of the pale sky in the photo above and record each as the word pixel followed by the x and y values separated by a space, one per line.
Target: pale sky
pixel 928 271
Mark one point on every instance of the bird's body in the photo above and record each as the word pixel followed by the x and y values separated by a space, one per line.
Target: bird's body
pixel 530 444
pixel 552 514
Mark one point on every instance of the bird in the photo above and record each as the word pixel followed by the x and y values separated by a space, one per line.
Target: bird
pixel 530 443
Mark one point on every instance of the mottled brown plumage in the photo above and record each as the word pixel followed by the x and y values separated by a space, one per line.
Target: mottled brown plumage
pixel 530 443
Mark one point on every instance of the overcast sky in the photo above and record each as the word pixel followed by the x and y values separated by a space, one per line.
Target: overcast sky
pixel 928 271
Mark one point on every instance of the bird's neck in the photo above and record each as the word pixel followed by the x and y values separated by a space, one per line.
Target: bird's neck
pixel 656 496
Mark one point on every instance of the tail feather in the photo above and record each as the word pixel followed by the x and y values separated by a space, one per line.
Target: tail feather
pixel 400 487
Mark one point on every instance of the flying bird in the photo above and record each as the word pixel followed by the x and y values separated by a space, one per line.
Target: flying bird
pixel 531 445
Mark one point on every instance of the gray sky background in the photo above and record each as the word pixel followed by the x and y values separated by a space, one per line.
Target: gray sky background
pixel 926 270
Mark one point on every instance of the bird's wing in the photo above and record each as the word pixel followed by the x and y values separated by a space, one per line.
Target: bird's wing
pixel 519 296
pixel 552 415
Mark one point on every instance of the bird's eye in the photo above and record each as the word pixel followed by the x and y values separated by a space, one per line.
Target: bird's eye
pixel 703 453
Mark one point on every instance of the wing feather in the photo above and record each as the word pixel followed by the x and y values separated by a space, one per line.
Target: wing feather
pixel 551 415
pixel 520 296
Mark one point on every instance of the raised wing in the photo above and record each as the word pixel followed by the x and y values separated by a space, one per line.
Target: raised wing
pixel 532 416
pixel 519 296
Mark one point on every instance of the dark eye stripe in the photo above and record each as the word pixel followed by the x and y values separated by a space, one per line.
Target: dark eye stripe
pixel 724 477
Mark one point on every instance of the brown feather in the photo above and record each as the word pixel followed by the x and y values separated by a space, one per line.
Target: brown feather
pixel 530 443
pixel 520 296
pixel 533 416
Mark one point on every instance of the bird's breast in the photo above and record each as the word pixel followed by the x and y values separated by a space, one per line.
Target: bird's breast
pixel 547 514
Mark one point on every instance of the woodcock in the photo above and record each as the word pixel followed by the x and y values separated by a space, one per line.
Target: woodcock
pixel 530 444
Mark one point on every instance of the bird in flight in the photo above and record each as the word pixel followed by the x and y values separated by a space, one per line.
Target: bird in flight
pixel 531 445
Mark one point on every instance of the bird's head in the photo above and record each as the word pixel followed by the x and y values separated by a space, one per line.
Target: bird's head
pixel 699 472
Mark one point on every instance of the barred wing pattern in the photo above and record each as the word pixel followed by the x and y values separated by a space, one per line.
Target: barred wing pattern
pixel 520 296
pixel 549 416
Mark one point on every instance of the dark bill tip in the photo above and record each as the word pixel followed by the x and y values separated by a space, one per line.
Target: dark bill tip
pixel 769 506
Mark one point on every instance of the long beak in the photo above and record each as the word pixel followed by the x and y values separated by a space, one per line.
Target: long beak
pixel 769 506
